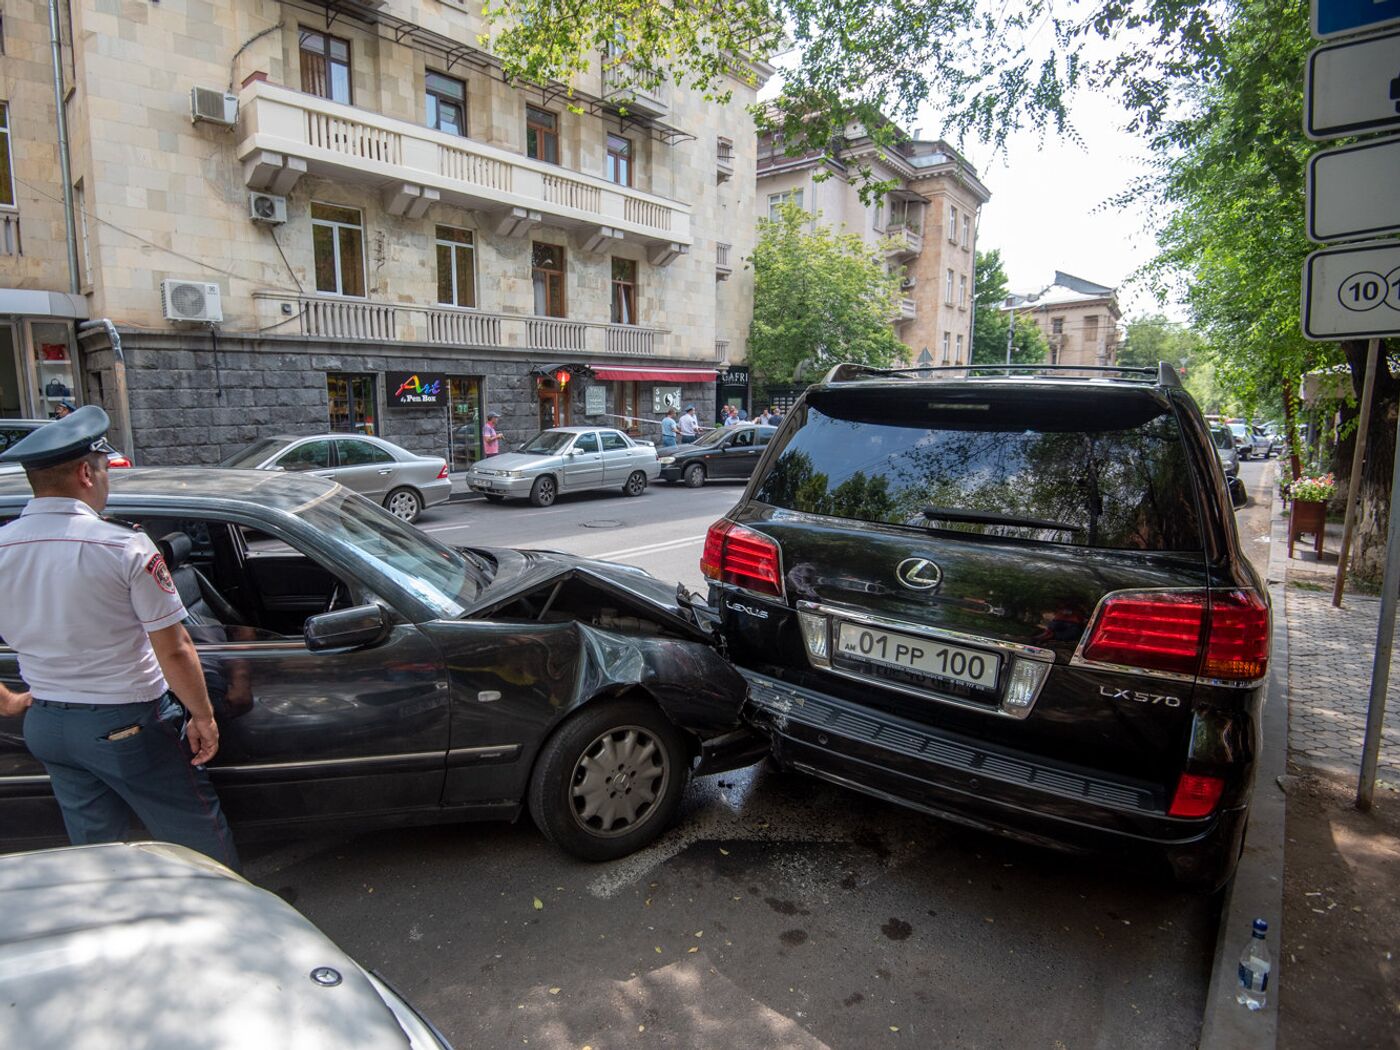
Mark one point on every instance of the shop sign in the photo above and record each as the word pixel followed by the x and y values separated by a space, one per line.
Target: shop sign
pixel 665 397
pixel 416 389
pixel 595 401
pixel 735 375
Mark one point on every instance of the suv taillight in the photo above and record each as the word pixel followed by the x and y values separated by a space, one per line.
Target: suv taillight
pixel 1196 796
pixel 734 554
pixel 1215 634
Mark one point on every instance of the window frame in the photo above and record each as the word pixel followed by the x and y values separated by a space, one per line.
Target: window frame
pixel 433 100
pixel 958 352
pixel 953 223
pixel 455 249
pixel 966 230
pixel 308 444
pixel 379 450
pixel 548 276
pixel 336 227
pixel 948 290
pixel 617 436
pixel 623 159
pixel 7 186
pixel 623 292
pixel 777 200
pixel 350 379
pixel 962 291
pixel 544 133
pixel 947 348
pixel 327 60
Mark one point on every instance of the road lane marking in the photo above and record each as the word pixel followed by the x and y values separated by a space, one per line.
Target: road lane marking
pixel 649 549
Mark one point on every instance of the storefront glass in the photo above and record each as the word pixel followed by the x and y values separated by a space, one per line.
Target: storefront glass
pixel 464 421
pixel 351 400
pixel 54 365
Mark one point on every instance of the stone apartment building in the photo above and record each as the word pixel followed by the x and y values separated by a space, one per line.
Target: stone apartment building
pixel 926 226
pixel 1078 318
pixel 354 224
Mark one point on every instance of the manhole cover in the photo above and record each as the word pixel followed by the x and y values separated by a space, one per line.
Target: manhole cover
pixel 603 523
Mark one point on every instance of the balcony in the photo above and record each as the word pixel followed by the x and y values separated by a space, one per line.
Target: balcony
pixel 722 351
pixel 354 320
pixel 621 90
pixel 908 310
pixel 724 159
pixel 723 268
pixel 903 241
pixel 10 241
pixel 287 134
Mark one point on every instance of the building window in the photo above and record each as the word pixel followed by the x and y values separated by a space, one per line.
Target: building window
pixel 547 271
pixel 338 239
pixel 619 160
pixel 456 266
pixel 446 101
pixel 958 358
pixel 948 289
pixel 777 200
pixel 967 231
pixel 624 291
pixel 947 344
pixel 1057 326
pixel 541 135
pixel 350 402
pixel 7 181
pixel 325 66
pixel 953 223
pixel 962 291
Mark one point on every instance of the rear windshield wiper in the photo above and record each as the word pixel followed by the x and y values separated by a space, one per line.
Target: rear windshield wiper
pixel 988 517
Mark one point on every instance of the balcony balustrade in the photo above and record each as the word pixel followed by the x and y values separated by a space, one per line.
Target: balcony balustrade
pixel 722 351
pixel 908 310
pixel 620 89
pixel 10 240
pixel 903 241
pixel 286 134
pixel 723 268
pixel 724 159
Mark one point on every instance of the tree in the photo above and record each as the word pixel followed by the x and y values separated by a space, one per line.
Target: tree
pixel 820 298
pixel 991 323
pixel 863 63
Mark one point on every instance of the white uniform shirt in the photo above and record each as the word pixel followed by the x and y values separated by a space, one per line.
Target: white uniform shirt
pixel 78 596
pixel 687 424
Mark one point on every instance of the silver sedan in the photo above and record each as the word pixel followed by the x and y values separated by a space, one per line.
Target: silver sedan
pixel 404 482
pixel 567 459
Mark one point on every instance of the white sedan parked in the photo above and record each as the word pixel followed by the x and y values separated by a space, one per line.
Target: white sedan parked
pixel 567 459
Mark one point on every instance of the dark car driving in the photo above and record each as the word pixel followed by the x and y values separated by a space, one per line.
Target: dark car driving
pixel 1015 601
pixel 365 675
pixel 723 454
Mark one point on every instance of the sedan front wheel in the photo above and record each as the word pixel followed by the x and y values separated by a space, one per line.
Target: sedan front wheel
pixel 609 781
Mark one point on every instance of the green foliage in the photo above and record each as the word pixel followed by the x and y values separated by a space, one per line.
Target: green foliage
pixel 820 298
pixel 991 324
pixel 861 63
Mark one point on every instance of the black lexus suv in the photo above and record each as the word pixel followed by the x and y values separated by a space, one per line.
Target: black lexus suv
pixel 1017 601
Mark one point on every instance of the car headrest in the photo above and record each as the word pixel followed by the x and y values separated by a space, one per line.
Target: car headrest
pixel 174 548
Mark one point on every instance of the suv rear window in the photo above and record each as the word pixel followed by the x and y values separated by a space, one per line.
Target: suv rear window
pixel 1108 466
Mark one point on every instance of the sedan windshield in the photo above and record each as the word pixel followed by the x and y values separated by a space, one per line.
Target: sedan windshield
pixel 714 437
pixel 548 442
pixel 1222 437
pixel 442 578
pixel 254 453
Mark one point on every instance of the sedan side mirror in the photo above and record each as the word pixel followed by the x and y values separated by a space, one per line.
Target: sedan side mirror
pixel 346 628
pixel 1238 496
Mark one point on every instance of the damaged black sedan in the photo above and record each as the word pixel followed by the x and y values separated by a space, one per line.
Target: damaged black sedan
pixel 365 675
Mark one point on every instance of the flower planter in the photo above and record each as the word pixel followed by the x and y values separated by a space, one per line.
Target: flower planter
pixel 1307 516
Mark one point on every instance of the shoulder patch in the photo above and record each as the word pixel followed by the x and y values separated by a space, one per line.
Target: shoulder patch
pixel 159 573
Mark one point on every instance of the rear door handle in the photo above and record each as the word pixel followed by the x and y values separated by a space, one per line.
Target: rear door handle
pixel 388 471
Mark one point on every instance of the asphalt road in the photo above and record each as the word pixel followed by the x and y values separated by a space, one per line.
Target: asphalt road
pixel 780 912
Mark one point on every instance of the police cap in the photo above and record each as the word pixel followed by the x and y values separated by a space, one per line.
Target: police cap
pixel 69 438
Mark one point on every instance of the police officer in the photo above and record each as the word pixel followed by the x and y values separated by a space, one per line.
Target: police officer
pixel 93 614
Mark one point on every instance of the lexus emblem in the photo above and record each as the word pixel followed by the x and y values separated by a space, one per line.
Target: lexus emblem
pixel 918 574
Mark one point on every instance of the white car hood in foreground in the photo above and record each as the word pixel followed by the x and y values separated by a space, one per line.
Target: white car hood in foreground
pixel 150 947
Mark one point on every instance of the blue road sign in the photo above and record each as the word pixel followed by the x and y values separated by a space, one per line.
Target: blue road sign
pixel 1338 17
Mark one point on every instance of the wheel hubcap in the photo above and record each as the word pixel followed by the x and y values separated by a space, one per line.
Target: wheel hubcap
pixel 617 781
pixel 403 506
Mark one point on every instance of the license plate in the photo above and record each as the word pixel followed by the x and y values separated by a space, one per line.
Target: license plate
pixel 923 656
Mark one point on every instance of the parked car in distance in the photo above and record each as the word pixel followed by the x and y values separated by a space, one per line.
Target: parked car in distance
pixel 403 482
pixel 1224 442
pixel 562 460
pixel 722 454
pixel 90 933
pixel 1244 439
pixel 1016 601
pixel 13 431
pixel 1262 442
pixel 364 675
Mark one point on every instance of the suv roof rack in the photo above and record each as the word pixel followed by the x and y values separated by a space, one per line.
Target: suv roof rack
pixel 1163 374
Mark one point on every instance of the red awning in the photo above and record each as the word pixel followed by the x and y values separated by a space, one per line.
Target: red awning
pixel 660 375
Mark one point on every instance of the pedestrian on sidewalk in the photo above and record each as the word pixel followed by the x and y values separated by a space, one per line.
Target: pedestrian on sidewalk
pixel 689 425
pixel 490 436
pixel 118 711
pixel 670 430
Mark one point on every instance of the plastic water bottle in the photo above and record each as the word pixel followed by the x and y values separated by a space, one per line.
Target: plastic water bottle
pixel 1254 969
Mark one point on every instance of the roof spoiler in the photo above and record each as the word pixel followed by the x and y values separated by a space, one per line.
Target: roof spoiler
pixel 1163 374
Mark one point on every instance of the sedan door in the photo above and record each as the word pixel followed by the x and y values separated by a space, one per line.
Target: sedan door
pixel 739 455
pixel 618 457
pixel 367 468
pixel 583 464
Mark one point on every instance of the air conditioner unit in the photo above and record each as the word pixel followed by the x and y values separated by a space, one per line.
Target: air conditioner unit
pixel 267 208
pixel 213 107
pixel 196 301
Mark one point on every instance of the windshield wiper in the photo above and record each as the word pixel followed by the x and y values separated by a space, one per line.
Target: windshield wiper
pixel 988 517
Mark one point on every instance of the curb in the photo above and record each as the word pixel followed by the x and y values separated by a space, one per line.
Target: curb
pixel 1256 891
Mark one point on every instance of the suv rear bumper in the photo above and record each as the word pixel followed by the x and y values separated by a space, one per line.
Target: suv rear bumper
pixel 973 783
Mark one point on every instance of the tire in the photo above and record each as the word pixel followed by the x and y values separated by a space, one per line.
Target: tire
pixel 544 491
pixel 636 483
pixel 493 497
pixel 624 737
pixel 404 504
pixel 694 475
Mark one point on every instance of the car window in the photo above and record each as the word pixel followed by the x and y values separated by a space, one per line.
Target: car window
pixel 353 453
pixel 310 455
pixel 1113 471
pixel 12 435
pixel 1222 438
pixel 612 440
pixel 743 439
pixel 586 443
pixel 765 436
pixel 253 454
